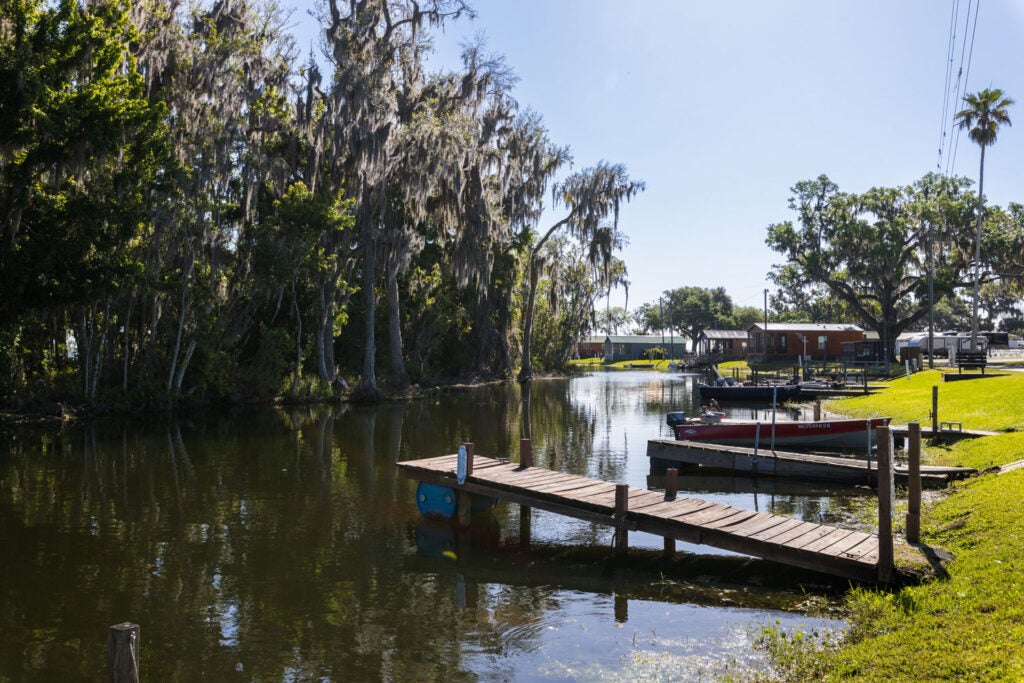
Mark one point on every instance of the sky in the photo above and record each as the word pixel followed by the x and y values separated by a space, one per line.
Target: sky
pixel 721 107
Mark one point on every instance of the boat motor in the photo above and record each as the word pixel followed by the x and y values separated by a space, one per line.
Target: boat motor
pixel 676 418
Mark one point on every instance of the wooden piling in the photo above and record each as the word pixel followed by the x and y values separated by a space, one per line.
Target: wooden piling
pixel 621 507
pixel 525 513
pixel 671 489
pixel 935 411
pixel 914 483
pixel 123 653
pixel 885 505
pixel 525 453
pixel 469 458
pixel 817 410
pixel 671 483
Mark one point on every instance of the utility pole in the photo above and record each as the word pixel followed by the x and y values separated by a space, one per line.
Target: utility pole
pixel 765 337
pixel 661 319
pixel 931 301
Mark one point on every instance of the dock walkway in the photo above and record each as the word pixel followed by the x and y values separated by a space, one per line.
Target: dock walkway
pixel 840 552
pixel 805 466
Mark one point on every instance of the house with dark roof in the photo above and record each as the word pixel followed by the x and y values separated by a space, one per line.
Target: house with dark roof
pixel 723 344
pixel 619 347
pixel 817 341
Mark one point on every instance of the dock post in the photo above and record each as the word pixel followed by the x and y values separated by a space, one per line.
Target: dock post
pixel 935 411
pixel 817 410
pixel 885 505
pixel 671 483
pixel 671 489
pixel 525 454
pixel 621 507
pixel 465 497
pixel 123 653
pixel 525 512
pixel 914 489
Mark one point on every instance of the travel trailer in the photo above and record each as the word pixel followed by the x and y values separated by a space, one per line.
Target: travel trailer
pixel 944 344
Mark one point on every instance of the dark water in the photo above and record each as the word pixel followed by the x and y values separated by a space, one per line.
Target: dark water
pixel 285 545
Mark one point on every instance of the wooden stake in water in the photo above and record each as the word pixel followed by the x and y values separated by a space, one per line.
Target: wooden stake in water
pixel 885 505
pixel 914 488
pixel 525 512
pixel 123 653
pixel 671 488
pixel 621 507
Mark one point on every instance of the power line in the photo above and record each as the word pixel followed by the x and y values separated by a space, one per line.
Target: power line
pixel 962 74
pixel 945 85
pixel 967 74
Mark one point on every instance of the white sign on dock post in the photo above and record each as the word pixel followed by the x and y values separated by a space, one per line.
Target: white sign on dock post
pixel 460 472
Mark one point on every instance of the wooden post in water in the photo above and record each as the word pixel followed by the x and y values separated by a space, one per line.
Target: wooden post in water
pixel 525 512
pixel 123 653
pixel 817 410
pixel 621 506
pixel 671 483
pixel 914 489
pixel 935 411
pixel 671 488
pixel 885 503
pixel 465 497
pixel 525 454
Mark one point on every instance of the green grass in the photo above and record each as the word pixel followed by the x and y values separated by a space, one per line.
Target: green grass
pixel 967 625
pixel 994 403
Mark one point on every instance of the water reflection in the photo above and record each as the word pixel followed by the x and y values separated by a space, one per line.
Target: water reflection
pixel 285 545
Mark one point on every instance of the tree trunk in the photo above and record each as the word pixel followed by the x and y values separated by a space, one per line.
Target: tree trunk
pixel 323 332
pixel 526 371
pixel 183 366
pixel 298 341
pixel 127 343
pixel 367 389
pixel 399 375
pixel 977 253
pixel 181 322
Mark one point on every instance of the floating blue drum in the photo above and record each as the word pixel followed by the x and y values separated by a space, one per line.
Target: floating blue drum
pixel 435 502
pixel 442 502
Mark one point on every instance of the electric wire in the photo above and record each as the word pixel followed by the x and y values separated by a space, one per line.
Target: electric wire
pixel 960 90
pixel 967 73
pixel 951 43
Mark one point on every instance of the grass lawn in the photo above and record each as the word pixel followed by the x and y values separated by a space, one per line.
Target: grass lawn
pixel 995 403
pixel 967 625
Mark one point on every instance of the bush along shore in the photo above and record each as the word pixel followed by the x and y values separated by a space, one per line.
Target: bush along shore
pixel 967 621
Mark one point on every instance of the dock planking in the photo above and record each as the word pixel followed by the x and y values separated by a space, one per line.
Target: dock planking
pixel 803 466
pixel 840 552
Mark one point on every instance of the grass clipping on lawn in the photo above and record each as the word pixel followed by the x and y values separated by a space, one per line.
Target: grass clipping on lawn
pixel 969 623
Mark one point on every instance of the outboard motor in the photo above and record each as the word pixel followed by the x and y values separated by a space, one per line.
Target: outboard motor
pixel 676 418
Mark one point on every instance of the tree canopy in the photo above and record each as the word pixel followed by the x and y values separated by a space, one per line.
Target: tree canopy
pixel 189 212
pixel 868 250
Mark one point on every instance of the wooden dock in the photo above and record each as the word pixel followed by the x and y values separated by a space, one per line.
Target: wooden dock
pixel 665 453
pixel 849 554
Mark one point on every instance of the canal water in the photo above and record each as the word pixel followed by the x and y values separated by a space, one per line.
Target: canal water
pixel 285 546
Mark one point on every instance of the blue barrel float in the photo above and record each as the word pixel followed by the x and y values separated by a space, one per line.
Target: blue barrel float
pixel 441 502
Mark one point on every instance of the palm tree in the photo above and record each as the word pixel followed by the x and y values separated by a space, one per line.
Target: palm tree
pixel 985 112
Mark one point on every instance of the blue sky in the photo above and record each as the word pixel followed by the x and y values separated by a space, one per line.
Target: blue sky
pixel 721 107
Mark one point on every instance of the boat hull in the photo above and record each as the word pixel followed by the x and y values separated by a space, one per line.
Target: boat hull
pixel 847 434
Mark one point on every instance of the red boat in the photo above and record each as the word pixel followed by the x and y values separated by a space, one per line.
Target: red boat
pixel 841 433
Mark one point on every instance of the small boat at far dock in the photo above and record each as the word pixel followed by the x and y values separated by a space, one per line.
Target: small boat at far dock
pixel 724 392
pixel 841 433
